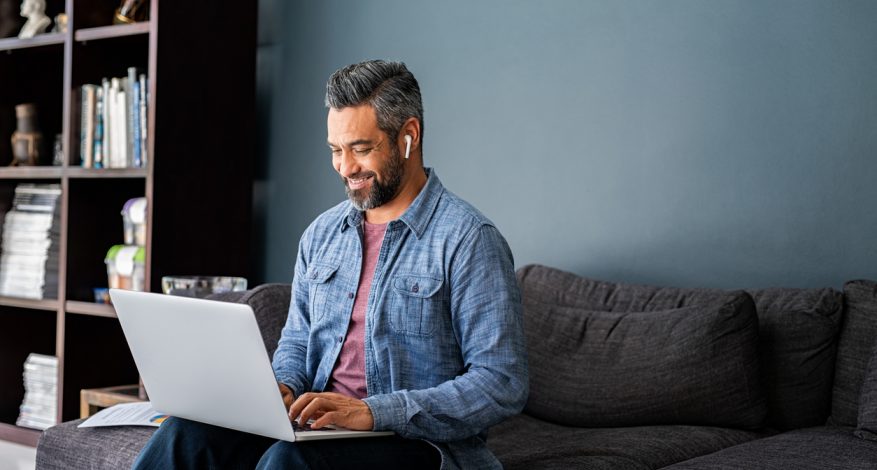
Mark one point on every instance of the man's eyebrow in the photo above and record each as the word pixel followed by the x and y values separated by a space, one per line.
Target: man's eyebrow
pixel 355 142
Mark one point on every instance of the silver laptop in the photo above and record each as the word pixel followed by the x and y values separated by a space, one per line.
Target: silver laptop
pixel 205 360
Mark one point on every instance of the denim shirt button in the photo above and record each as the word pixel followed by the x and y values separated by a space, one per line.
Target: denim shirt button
pixel 350 295
pixel 340 339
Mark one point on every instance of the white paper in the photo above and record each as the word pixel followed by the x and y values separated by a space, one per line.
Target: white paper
pixel 125 414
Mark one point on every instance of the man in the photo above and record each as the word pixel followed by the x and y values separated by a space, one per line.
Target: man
pixel 405 312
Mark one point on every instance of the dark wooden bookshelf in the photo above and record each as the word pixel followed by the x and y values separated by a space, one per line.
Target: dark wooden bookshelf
pixel 200 65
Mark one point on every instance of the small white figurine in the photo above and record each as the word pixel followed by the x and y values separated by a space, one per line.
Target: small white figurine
pixel 37 21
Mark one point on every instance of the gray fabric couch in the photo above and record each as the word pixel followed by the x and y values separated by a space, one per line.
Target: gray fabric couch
pixel 640 377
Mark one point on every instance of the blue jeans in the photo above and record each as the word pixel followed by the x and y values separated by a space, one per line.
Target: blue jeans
pixel 181 443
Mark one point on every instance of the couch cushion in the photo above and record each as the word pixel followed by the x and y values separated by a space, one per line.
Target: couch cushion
pixel 524 442
pixel 798 331
pixel 867 423
pixel 639 360
pixel 821 448
pixel 858 333
pixel 66 447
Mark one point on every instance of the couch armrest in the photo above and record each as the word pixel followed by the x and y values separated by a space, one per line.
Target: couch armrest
pixel 270 302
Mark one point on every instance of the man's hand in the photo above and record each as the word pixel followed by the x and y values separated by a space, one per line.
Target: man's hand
pixel 288 396
pixel 332 408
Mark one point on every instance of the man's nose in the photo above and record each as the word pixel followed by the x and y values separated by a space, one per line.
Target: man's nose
pixel 348 166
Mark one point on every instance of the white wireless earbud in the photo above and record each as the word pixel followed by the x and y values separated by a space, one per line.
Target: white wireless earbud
pixel 407 145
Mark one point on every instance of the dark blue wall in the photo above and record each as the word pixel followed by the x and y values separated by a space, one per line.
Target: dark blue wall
pixel 692 143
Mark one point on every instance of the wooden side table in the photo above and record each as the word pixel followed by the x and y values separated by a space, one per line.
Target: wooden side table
pixel 93 400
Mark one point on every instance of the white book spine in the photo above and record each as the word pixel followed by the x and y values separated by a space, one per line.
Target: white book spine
pixel 143 114
pixel 122 119
pixel 114 128
pixel 105 84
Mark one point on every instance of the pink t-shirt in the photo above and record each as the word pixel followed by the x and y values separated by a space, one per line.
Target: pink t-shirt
pixel 348 376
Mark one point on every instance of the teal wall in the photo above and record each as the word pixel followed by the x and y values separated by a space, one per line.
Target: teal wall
pixel 681 142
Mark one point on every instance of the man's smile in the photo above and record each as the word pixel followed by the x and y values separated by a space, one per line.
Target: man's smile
pixel 358 183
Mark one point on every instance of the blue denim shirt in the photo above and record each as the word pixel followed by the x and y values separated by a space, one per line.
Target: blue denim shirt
pixel 445 351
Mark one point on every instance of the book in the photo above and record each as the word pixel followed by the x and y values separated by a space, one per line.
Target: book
pixel 137 161
pixel 118 96
pixel 113 129
pixel 131 116
pixel 143 127
pixel 105 120
pixel 98 128
pixel 89 97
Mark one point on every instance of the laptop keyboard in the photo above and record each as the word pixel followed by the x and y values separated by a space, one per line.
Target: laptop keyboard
pixel 307 427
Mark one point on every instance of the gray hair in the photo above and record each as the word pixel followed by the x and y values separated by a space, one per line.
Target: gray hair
pixel 388 87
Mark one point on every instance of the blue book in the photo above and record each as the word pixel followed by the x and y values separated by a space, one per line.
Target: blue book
pixel 135 116
pixel 99 129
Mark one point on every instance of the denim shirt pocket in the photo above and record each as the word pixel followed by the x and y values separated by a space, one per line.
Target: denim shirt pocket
pixel 318 277
pixel 416 305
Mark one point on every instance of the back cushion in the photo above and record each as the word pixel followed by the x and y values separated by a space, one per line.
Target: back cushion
pixel 858 333
pixel 798 331
pixel 604 354
pixel 867 423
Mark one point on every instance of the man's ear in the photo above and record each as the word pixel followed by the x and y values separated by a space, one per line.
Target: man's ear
pixel 410 127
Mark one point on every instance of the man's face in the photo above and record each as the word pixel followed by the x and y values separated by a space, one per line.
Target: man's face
pixel 367 160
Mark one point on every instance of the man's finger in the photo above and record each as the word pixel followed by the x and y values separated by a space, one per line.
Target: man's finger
pixel 326 419
pixel 316 406
pixel 300 403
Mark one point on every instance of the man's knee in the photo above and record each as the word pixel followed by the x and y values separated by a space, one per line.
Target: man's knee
pixel 282 455
pixel 175 429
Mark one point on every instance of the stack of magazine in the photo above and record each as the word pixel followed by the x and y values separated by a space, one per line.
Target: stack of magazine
pixel 30 243
pixel 40 406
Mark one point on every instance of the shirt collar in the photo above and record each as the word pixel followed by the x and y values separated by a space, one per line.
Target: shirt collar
pixel 418 214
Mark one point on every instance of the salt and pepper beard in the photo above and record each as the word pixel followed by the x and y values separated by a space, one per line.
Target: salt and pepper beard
pixel 379 193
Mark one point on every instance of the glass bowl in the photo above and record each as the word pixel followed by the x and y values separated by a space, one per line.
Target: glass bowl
pixel 201 286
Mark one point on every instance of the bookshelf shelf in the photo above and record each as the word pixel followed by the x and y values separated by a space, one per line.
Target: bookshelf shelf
pixel 76 172
pixel 42 40
pixel 31 172
pixel 90 308
pixel 113 31
pixel 45 304
pixel 198 180
pixel 19 434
